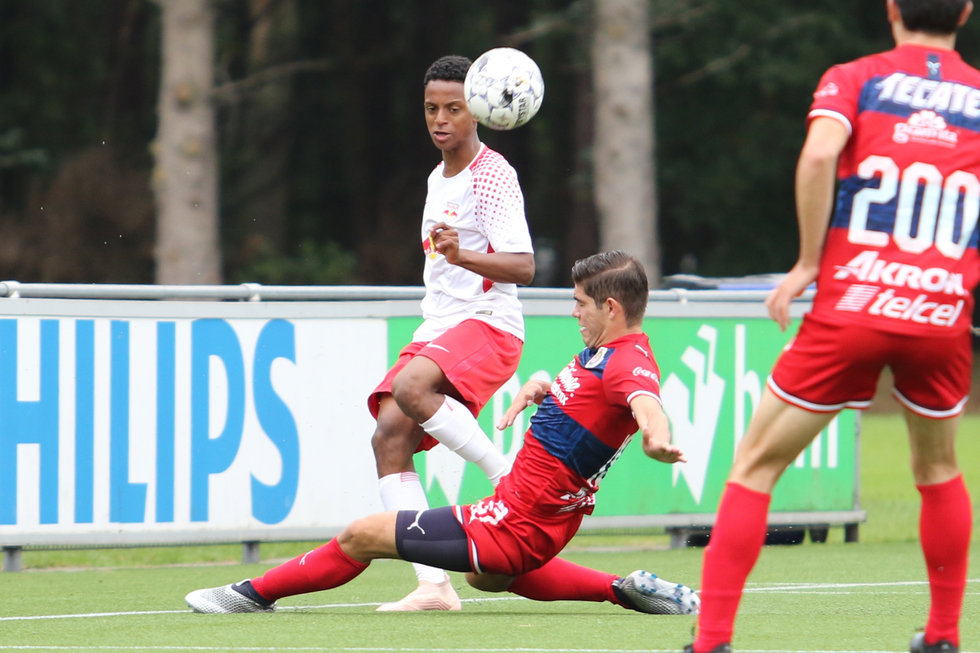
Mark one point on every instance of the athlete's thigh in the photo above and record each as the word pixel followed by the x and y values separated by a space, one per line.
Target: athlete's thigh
pixel 777 433
pixel 932 444
pixel 432 537
pixel 475 359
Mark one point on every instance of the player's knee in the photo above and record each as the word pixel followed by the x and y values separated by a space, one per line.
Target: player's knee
pixel 489 582
pixel 407 393
pixel 393 447
pixel 351 539
pixel 361 539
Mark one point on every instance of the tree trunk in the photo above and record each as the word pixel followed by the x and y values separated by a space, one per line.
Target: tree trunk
pixel 185 178
pixel 625 191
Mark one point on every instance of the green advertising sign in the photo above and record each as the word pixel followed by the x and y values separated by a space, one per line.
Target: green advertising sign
pixel 713 371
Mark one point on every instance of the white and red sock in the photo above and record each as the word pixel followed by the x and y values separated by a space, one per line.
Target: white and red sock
pixel 455 426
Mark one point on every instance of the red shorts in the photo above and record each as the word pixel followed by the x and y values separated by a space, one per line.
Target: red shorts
pixel 505 541
pixel 828 367
pixel 475 357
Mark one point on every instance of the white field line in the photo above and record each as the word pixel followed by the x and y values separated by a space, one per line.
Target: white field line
pixel 816 588
pixel 394 649
pixel 773 587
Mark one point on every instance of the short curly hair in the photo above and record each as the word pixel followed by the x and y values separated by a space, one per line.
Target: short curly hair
pixel 451 68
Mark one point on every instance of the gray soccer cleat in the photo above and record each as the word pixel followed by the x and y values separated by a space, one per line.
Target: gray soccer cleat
pixel 644 592
pixel 225 600
pixel 918 645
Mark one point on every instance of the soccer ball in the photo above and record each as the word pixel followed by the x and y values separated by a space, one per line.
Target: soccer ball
pixel 503 88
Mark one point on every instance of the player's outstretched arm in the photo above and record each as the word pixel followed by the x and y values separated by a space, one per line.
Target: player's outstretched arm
pixel 532 393
pixel 655 428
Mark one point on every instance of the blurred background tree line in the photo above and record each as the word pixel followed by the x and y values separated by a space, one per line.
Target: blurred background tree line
pixel 322 151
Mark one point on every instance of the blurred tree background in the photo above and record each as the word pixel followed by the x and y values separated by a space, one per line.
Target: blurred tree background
pixel 322 144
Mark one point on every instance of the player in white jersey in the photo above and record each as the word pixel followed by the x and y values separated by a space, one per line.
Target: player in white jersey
pixel 477 250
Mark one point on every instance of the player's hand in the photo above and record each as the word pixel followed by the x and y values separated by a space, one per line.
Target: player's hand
pixel 445 240
pixel 792 286
pixel 533 392
pixel 665 452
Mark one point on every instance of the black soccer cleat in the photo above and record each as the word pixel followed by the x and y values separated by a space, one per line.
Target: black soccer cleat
pixel 721 648
pixel 918 645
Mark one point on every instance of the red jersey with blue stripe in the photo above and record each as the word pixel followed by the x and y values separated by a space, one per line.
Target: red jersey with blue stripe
pixel 901 251
pixel 581 427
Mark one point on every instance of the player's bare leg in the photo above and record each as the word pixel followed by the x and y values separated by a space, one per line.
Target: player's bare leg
pixel 395 440
pixel 333 564
pixel 424 394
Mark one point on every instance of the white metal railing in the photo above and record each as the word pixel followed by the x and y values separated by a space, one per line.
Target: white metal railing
pixel 258 292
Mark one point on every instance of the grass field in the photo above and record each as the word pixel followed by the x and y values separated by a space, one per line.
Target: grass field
pixel 868 596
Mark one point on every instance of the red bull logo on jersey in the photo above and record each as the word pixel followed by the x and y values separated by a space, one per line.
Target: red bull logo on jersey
pixel 933 94
pixel 925 127
pixel 451 211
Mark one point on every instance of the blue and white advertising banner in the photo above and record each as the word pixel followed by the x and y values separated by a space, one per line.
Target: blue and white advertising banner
pixel 209 426
pixel 154 422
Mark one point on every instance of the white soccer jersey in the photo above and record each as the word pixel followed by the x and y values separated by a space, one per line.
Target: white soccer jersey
pixel 484 203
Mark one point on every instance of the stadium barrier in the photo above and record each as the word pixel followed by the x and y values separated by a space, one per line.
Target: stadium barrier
pixel 153 415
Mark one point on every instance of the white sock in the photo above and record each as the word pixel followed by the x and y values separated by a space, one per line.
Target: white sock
pixel 454 426
pixel 403 491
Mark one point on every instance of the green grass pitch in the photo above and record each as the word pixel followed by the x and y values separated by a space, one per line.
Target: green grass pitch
pixel 868 596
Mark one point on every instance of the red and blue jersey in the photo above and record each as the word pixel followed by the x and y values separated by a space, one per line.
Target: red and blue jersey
pixel 901 250
pixel 582 427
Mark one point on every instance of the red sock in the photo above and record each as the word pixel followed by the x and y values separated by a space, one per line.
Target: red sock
pixel 322 568
pixel 736 540
pixel 561 580
pixel 945 522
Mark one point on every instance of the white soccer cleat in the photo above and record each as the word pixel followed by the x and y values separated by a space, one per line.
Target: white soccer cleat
pixel 427 596
pixel 644 592
pixel 224 600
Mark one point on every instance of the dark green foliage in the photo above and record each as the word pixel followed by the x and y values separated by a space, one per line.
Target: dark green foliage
pixel 322 138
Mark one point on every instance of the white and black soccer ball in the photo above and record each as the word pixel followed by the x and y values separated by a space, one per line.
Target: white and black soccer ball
pixel 503 88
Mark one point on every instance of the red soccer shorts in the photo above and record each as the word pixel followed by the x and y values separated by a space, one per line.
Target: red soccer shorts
pixel 475 357
pixel 828 367
pixel 505 541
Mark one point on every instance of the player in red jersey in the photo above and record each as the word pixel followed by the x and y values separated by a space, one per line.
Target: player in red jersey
pixel 895 264
pixel 477 249
pixel 509 541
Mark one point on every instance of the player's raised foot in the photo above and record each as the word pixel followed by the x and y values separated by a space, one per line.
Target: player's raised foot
pixel 645 592
pixel 427 596
pixel 721 648
pixel 918 645
pixel 228 599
